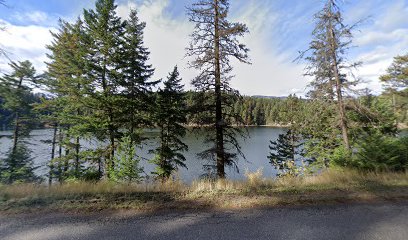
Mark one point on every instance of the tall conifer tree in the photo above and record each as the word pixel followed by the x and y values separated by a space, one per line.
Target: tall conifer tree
pixel 396 83
pixel 327 61
pixel 15 89
pixel 136 87
pixel 68 82
pixel 170 117
pixel 214 42
pixel 105 30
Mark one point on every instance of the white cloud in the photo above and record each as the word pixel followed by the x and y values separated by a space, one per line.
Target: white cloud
pixel 394 17
pixel 271 72
pixel 386 38
pixel 167 37
pixel 25 43
pixel 36 17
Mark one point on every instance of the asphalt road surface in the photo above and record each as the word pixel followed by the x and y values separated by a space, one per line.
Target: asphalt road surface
pixel 352 221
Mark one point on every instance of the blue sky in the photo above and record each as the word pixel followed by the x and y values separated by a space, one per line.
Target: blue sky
pixel 278 30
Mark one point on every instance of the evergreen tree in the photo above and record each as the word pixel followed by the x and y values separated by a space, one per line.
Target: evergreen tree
pixel 397 73
pixel 284 152
pixel 15 89
pixel 170 116
pixel 214 43
pixel 259 114
pixel 100 76
pixel 396 83
pixel 18 166
pixel 105 31
pixel 126 166
pixel 68 82
pixel 372 114
pixel 136 89
pixel 331 40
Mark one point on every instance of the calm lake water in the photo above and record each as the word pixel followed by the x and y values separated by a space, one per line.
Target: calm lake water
pixel 255 149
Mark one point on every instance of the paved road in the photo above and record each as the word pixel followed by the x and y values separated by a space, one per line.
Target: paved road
pixel 357 221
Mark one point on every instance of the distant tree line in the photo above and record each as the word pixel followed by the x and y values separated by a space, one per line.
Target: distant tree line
pixel 254 110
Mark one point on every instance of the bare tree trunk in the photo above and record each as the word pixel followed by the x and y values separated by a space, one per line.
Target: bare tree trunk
pixel 342 110
pixel 394 106
pixel 60 138
pixel 162 145
pixel 77 144
pixel 17 122
pixel 110 165
pixel 67 150
pixel 54 140
pixel 340 101
pixel 77 165
pixel 219 124
pixel 16 131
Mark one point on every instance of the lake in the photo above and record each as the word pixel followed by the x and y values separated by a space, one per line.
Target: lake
pixel 255 148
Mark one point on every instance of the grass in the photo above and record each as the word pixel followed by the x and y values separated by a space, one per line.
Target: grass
pixel 331 186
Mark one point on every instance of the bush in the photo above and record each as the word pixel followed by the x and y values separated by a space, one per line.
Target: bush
pixel 382 153
pixel 126 167
pixel 341 157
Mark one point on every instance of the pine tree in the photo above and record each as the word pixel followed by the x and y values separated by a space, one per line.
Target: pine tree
pixel 101 79
pixel 171 112
pixel 397 73
pixel 136 89
pixel 104 30
pixel 16 93
pixel 15 89
pixel 126 166
pixel 18 166
pixel 284 152
pixel 68 83
pixel 214 42
pixel 396 84
pixel 331 40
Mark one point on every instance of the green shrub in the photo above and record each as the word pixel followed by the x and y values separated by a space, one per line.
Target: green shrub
pixel 126 167
pixel 375 152
pixel 382 153
pixel 341 157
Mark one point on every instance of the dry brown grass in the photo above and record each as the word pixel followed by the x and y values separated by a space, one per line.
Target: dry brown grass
pixel 328 186
pixel 85 188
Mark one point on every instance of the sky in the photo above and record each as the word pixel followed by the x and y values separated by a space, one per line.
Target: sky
pixel 279 29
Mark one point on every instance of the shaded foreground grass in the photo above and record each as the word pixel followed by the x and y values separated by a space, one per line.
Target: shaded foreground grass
pixel 329 187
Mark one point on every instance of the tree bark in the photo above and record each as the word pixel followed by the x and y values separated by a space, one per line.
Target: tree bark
pixel 54 140
pixel 60 138
pixel 77 165
pixel 110 164
pixel 16 131
pixel 340 101
pixel 219 124
pixel 17 122
pixel 67 150
pixel 342 110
